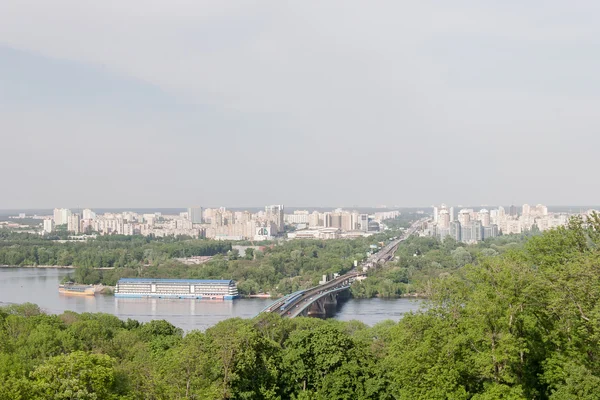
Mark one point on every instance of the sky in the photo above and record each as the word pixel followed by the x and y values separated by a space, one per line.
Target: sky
pixel 156 103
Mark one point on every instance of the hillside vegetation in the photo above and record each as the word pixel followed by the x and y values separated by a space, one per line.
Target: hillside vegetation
pixel 524 324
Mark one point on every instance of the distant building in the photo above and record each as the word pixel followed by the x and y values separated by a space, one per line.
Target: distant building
pixel 73 223
pixel 263 233
pixel 48 225
pixel 319 233
pixel 464 217
pixel 471 232
pixel 314 219
pixel 298 217
pixel 444 219
pixel 195 215
pixel 455 231
pixel 484 217
pixel 363 222
pixel 61 216
pixel 490 231
pixel 88 214
pixel 276 215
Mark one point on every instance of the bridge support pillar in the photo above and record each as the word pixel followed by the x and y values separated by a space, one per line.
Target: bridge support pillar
pixel 323 307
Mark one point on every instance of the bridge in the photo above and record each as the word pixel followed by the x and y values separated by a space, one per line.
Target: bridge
pixel 314 301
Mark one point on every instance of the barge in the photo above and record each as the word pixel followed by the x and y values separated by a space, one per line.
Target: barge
pixel 77 290
pixel 209 289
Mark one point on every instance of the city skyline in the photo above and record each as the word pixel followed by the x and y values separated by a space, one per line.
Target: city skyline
pixel 211 223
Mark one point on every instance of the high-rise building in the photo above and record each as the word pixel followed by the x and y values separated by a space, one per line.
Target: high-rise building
pixel 526 210
pixel 336 220
pixel 314 219
pixel 355 220
pixel 48 225
pixel 455 230
pixel 541 210
pixel 57 216
pixel 347 221
pixel 363 222
pixel 195 215
pixel 452 214
pixel 61 216
pixel 88 214
pixel 472 232
pixel 512 211
pixel 298 217
pixel 444 219
pixel 490 231
pixel 73 223
pixel 464 217
pixel 484 217
pixel 435 214
pixel 275 214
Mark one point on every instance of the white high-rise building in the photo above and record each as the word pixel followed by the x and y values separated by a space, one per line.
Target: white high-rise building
pixel 73 223
pixel 526 209
pixel 88 214
pixel 541 210
pixel 444 219
pixel 484 217
pixel 48 225
pixel 61 216
pixel 435 214
pixel 298 217
pixel 314 219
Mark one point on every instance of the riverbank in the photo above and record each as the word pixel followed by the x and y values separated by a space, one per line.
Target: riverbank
pixel 420 296
pixel 258 296
pixel 101 289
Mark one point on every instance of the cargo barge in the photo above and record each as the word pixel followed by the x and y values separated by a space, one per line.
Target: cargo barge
pixel 212 289
pixel 77 290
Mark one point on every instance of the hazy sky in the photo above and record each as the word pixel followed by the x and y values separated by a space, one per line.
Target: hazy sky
pixel 156 103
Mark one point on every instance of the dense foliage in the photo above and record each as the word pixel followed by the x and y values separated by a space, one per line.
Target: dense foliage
pixel 521 325
pixel 102 252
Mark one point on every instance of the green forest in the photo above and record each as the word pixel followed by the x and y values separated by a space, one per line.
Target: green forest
pixel 520 324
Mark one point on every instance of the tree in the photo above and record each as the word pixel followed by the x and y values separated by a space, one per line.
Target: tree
pixel 461 257
pixel 77 375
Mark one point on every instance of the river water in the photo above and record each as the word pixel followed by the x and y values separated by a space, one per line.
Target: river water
pixel 40 286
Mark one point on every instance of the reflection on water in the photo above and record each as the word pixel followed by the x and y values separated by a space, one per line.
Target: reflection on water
pixel 40 286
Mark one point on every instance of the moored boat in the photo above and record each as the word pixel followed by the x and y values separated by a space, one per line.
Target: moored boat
pixel 77 290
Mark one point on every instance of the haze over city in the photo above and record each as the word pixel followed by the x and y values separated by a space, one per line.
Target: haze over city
pixel 167 104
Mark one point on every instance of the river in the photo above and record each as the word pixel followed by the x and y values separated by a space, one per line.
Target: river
pixel 40 286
